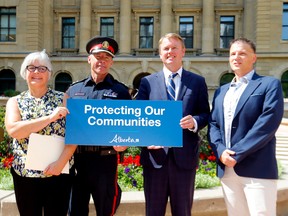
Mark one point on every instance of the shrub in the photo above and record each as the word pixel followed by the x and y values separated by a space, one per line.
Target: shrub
pixel 6 181
pixel 5 149
pixel 11 93
pixel 130 172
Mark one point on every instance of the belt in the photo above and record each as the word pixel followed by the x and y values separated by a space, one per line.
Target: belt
pixel 100 150
pixel 108 152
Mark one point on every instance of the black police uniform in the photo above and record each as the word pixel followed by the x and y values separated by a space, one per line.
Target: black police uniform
pixel 96 166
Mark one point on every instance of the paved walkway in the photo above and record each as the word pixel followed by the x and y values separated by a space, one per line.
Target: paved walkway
pixel 207 202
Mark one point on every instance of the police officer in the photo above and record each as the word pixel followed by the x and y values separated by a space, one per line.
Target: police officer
pixel 96 166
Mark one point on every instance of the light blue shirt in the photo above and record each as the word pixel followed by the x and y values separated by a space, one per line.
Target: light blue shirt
pixel 231 99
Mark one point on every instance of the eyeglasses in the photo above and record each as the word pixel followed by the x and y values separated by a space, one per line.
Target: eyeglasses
pixel 41 69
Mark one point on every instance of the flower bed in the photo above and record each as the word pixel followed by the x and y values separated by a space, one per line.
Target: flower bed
pixel 130 172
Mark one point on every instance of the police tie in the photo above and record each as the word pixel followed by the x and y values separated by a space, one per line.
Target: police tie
pixel 171 86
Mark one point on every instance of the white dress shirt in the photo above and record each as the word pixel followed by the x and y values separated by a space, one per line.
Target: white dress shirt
pixel 231 100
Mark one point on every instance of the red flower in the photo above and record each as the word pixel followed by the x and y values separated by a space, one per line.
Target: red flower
pixel 7 161
pixel 202 156
pixel 212 158
pixel 137 160
pixel 130 160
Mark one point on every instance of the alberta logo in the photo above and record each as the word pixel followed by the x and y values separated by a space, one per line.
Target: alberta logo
pixel 119 139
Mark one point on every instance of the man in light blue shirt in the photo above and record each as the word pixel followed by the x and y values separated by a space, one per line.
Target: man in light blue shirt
pixel 246 114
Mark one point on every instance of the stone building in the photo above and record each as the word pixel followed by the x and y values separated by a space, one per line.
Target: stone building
pixel 63 27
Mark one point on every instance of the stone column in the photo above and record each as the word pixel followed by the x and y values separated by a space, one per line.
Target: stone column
pixel 166 17
pixel 208 27
pixel 125 27
pixel 48 30
pixel 85 25
pixel 249 19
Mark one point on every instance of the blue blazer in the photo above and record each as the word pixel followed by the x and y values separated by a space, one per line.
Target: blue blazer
pixel 257 117
pixel 194 96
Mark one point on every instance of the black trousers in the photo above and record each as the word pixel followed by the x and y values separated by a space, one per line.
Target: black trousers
pixel 42 196
pixel 97 176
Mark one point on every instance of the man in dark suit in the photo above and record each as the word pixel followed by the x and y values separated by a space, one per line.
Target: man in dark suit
pixel 245 116
pixel 171 172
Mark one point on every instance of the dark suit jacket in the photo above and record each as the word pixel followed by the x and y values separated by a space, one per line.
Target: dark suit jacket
pixel 256 120
pixel 193 93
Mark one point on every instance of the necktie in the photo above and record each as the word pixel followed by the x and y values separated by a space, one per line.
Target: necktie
pixel 158 156
pixel 171 96
pixel 171 86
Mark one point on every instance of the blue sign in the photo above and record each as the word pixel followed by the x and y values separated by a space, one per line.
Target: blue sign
pixel 124 123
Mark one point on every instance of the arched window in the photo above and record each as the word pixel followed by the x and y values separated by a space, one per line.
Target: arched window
pixel 62 81
pixel 226 78
pixel 7 80
pixel 284 82
pixel 136 83
pixel 137 79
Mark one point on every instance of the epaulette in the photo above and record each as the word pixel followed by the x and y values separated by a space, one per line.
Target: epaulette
pixel 123 84
pixel 78 81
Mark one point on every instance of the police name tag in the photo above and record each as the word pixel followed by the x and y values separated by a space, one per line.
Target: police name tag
pixel 124 123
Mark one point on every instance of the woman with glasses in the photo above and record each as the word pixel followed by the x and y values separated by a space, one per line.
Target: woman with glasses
pixel 38 110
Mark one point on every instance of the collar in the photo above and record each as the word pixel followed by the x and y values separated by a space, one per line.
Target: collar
pixel 168 72
pixel 243 80
pixel 108 80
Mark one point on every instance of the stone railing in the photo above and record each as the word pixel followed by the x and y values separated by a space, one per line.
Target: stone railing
pixel 3 100
pixel 286 109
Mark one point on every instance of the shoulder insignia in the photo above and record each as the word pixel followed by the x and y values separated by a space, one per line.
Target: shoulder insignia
pixel 78 81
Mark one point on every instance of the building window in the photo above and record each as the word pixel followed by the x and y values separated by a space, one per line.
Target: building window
pixel 226 78
pixel 107 27
pixel 68 33
pixel 146 32
pixel 227 25
pixel 285 22
pixel 7 81
pixel 62 81
pixel 7 24
pixel 284 82
pixel 186 30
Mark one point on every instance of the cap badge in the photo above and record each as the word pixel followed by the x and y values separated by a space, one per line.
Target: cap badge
pixel 105 44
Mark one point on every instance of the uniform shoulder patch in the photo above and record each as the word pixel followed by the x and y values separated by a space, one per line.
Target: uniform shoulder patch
pixel 78 81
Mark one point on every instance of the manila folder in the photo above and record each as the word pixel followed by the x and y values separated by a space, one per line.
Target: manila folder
pixel 44 150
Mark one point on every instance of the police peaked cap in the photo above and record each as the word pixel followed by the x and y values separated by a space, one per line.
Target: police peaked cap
pixel 102 44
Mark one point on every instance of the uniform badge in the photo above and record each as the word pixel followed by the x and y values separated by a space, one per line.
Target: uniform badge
pixel 79 94
pixel 110 94
pixel 105 44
